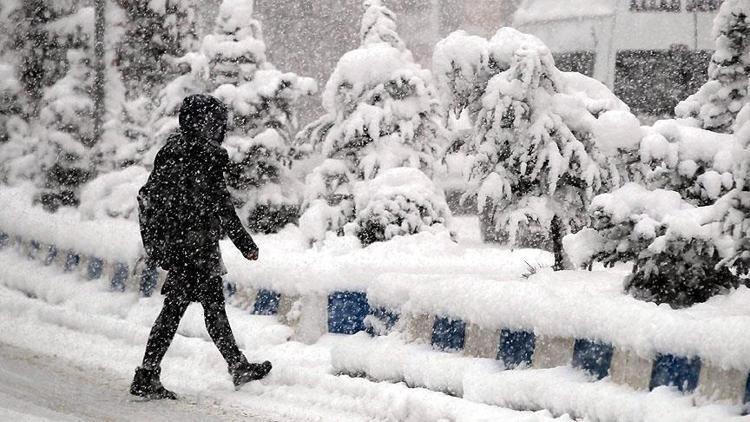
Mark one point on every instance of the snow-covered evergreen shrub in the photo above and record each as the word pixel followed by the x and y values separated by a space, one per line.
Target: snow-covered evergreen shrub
pixel 677 248
pixel 382 109
pixel 685 230
pixel 544 143
pixel 687 233
pixel 10 107
pixel 64 151
pixel 155 33
pixel 329 200
pixel 716 104
pixel 262 102
pixel 231 63
pixel 696 163
pixel 17 162
pixel 736 221
pixel 398 202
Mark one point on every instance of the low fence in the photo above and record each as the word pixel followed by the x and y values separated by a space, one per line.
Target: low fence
pixel 516 343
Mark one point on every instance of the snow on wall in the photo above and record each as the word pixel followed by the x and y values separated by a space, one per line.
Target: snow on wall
pixel 111 239
pixel 548 10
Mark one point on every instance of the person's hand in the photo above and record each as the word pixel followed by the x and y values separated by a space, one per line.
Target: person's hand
pixel 252 255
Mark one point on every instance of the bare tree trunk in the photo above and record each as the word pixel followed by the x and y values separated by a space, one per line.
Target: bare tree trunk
pixel 99 69
pixel 557 234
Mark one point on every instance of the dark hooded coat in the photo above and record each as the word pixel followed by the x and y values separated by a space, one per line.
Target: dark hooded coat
pixel 188 177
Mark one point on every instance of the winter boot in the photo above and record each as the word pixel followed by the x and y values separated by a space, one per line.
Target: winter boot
pixel 244 372
pixel 146 384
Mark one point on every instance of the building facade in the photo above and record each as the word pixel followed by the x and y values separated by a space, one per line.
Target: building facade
pixel 652 53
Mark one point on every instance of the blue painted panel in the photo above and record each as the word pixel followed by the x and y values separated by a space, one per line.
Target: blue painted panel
pixel 593 357
pixel 448 334
pixel 95 268
pixel 266 303
pixel 675 371
pixel 149 279
pixel 387 318
pixel 230 289
pixel 119 277
pixel 747 391
pixel 71 261
pixel 4 239
pixel 34 248
pixel 516 348
pixel 347 312
pixel 51 255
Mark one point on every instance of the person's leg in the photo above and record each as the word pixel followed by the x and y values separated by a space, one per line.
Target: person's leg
pixel 163 331
pixel 217 324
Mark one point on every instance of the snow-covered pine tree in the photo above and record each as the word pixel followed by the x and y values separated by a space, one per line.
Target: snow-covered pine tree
pixel 263 119
pixel 15 140
pixel 683 228
pixel 545 142
pixel 10 106
pixel 382 112
pixel 156 32
pixel 716 104
pixel 65 147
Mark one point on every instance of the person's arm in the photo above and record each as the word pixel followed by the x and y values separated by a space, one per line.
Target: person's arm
pixel 230 222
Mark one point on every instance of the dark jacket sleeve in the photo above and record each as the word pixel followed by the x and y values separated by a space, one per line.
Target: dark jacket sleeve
pixel 230 222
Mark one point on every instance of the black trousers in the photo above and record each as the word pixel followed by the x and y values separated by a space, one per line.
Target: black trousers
pixel 165 328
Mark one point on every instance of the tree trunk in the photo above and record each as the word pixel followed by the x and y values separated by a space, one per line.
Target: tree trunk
pixel 557 233
pixel 99 69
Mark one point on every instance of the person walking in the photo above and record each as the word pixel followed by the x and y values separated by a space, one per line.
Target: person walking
pixel 184 210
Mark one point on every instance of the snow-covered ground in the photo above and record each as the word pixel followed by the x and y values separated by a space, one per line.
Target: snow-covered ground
pixel 74 344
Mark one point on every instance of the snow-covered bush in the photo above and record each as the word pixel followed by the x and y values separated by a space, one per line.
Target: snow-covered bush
pixel 544 142
pixel 10 107
pixel 463 65
pixel 155 33
pixel 113 194
pixel 696 163
pixel 329 200
pixel 681 253
pixel 716 104
pixel 381 108
pixel 683 230
pixel 64 152
pixel 261 101
pixel 399 201
pixel 261 182
pixel 231 63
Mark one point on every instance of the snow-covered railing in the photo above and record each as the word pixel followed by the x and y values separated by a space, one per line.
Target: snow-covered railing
pixel 553 319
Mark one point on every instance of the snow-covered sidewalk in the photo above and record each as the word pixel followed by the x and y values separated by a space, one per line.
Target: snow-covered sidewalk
pixel 95 338
pixel 38 387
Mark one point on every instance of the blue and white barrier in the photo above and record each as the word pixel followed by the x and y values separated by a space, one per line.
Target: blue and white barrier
pixel 313 314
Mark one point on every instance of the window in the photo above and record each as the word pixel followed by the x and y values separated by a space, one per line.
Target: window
pixel 651 82
pixel 576 61
pixel 703 5
pixel 655 5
